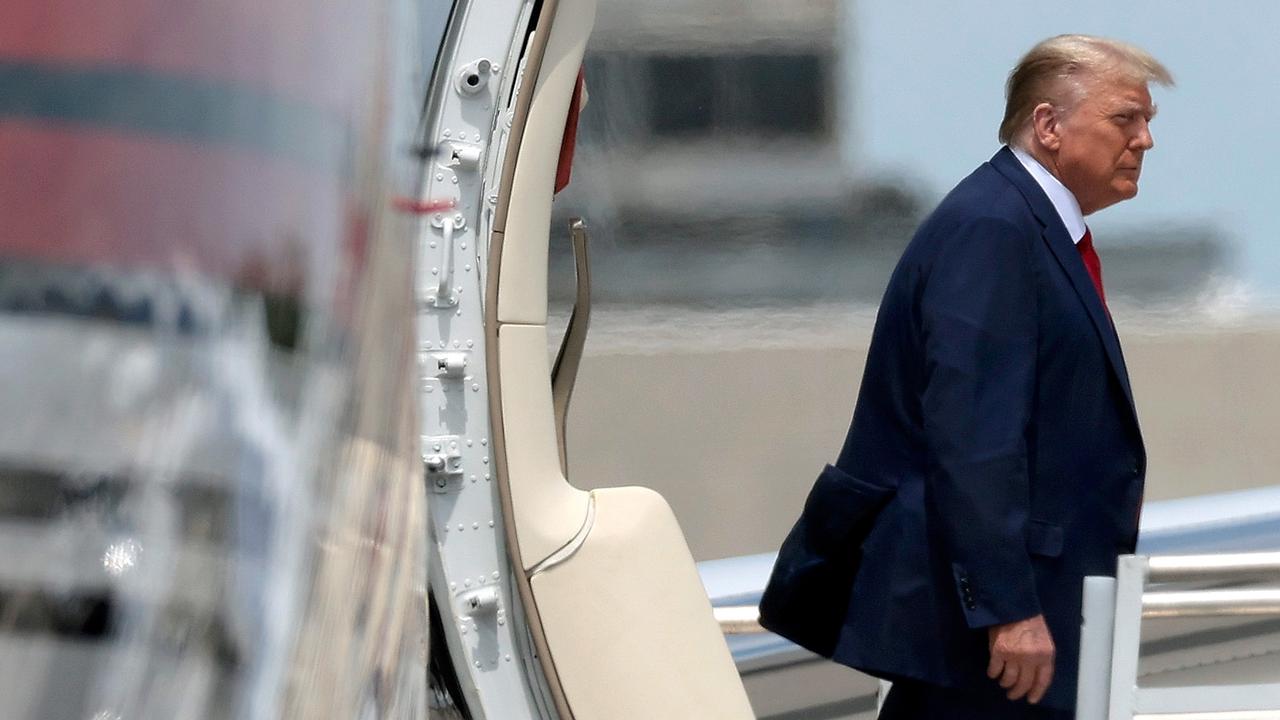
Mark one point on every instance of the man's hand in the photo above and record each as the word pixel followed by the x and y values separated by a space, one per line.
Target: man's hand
pixel 1022 658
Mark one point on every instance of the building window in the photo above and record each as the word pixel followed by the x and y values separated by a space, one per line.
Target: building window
pixel 682 96
pixel 770 96
pixel 781 94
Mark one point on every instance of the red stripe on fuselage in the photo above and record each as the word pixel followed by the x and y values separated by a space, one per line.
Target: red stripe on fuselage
pixel 87 197
pixel 323 53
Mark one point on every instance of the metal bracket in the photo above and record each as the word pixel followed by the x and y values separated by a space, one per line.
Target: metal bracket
pixel 442 296
pixel 464 156
pixel 483 601
pixel 442 458
pixel 474 76
pixel 451 365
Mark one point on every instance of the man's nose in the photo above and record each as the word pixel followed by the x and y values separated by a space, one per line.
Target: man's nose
pixel 1143 140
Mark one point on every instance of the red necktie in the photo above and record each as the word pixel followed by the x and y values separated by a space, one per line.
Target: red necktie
pixel 1093 264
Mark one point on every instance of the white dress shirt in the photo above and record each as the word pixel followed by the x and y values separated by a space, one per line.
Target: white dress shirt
pixel 1063 201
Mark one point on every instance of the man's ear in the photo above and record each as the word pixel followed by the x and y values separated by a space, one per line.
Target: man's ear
pixel 1044 126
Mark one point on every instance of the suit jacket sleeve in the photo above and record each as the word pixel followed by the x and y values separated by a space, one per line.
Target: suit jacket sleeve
pixel 978 320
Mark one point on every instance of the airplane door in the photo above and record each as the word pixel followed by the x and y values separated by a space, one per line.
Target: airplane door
pixel 613 600
pixel 552 601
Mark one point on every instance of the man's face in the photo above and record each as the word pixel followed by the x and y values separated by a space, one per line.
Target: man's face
pixel 1103 139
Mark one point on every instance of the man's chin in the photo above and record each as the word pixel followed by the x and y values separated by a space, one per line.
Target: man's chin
pixel 1127 190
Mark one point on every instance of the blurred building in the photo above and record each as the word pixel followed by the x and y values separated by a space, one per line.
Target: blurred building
pixel 712 128
pixel 718 161
pixel 725 106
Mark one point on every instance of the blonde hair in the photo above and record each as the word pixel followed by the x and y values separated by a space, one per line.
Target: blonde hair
pixel 1038 76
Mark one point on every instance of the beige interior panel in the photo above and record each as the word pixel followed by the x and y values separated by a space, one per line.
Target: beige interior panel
pixel 628 623
pixel 522 294
pixel 548 511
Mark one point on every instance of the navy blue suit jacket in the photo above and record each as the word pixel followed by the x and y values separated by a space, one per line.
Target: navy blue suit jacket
pixel 995 399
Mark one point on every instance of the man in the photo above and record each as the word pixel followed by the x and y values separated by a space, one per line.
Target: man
pixel 997 403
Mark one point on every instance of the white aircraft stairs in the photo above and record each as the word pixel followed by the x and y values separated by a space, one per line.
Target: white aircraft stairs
pixel 1178 588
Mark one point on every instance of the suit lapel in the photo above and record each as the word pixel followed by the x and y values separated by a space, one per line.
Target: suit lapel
pixel 1068 257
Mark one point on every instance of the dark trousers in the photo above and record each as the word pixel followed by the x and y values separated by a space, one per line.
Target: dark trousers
pixel 909 700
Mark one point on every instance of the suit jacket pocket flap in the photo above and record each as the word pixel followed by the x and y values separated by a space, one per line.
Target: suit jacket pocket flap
pixel 840 505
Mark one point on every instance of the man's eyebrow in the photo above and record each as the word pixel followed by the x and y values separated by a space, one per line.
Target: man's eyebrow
pixel 1134 106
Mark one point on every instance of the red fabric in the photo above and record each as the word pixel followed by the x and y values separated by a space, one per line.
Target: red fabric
pixel 565 166
pixel 1093 264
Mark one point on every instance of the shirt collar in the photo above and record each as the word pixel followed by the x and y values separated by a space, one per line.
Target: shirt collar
pixel 1063 201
